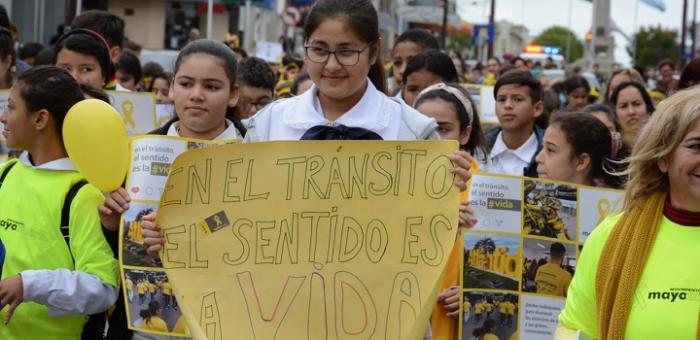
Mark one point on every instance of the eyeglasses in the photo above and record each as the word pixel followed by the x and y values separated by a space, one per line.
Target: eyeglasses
pixel 344 56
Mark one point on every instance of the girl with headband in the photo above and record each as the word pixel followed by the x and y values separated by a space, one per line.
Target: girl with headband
pixel 85 54
pixel 455 114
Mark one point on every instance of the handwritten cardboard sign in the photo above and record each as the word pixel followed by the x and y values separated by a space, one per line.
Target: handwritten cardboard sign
pixel 309 240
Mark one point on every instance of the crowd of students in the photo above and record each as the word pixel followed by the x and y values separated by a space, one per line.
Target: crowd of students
pixel 340 91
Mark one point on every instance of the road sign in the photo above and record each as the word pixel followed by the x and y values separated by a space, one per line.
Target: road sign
pixel 291 16
pixel 483 33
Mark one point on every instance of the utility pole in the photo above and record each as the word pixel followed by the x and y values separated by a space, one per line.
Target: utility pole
pixel 692 27
pixel 684 25
pixel 445 12
pixel 492 22
pixel 210 17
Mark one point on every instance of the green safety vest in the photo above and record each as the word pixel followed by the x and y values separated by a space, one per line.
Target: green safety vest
pixel 31 201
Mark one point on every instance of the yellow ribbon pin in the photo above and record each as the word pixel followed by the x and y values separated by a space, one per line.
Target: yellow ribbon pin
pixel 128 111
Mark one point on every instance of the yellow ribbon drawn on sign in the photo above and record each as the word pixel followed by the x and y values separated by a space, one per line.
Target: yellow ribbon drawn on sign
pixel 128 111
pixel 296 245
pixel 604 209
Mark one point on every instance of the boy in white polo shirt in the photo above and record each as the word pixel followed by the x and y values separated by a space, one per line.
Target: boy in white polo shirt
pixel 517 141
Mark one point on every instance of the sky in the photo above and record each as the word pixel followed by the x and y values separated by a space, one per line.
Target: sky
pixel 538 15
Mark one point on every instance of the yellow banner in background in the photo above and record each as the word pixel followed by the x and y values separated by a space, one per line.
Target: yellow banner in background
pixel 309 240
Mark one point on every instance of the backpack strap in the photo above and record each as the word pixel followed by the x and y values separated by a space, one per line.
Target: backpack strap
pixel 95 325
pixel 65 212
pixel 6 171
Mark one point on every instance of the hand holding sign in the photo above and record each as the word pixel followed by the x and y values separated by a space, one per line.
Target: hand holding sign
pixel 96 141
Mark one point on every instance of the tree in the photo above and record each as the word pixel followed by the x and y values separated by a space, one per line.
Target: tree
pixel 557 36
pixel 487 244
pixel 654 44
pixel 459 41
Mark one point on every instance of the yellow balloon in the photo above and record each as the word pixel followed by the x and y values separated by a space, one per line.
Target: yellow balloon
pixel 96 141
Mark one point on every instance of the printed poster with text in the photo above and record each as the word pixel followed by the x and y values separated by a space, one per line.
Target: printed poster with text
pixel 146 286
pixel 310 239
pixel 521 254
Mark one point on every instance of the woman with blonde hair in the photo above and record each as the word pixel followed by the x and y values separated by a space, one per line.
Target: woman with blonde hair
pixel 632 280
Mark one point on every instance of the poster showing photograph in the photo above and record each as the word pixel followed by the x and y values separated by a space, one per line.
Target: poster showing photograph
pixel 548 266
pixel 595 205
pixel 491 261
pixel 151 304
pixel 134 253
pixel 556 218
pixel 549 209
pixel 491 313
pixel 496 201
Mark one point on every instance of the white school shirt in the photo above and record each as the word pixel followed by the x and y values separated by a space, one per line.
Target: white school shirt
pixel 505 161
pixel 230 133
pixel 374 112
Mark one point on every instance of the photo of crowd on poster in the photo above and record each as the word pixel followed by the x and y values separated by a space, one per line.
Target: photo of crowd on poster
pixel 152 306
pixel 549 210
pixel 485 313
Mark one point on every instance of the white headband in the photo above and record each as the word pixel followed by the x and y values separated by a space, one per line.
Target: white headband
pixel 466 103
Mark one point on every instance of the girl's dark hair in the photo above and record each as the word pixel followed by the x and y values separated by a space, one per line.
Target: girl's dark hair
pixel 476 144
pixel 571 84
pixel 228 62
pixel 690 75
pixel 50 88
pixel 361 17
pixel 592 108
pixel 84 41
pixel 94 92
pixel 110 26
pixel 300 79
pixel 623 150
pixel 550 99
pixel 130 64
pixel 420 37
pixel 167 76
pixel 486 328
pixel 45 57
pixel 642 91
pixel 151 69
pixel 149 312
pixel 587 134
pixel 7 49
pixel 435 62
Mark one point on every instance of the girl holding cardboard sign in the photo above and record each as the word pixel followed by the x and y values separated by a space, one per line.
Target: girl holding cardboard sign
pixel 85 54
pixel 204 92
pixel 347 100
